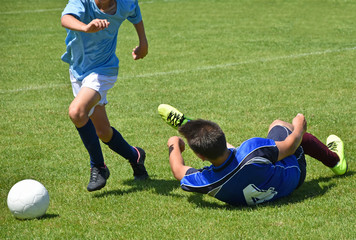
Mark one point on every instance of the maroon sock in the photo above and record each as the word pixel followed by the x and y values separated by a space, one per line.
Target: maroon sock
pixel 318 150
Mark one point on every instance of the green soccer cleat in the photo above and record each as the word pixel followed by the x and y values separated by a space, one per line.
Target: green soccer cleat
pixel 172 116
pixel 335 144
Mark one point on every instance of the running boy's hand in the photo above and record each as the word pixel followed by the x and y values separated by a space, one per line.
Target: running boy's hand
pixel 140 51
pixel 96 25
pixel 70 22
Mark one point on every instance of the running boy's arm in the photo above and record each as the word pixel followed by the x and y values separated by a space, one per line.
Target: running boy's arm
pixel 72 23
pixel 176 146
pixel 292 142
pixel 142 49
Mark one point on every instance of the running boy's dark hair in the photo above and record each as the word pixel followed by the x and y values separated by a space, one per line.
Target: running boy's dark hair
pixel 204 137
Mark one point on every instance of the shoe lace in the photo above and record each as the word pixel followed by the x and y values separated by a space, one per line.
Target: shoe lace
pixel 175 119
pixel 332 146
pixel 94 174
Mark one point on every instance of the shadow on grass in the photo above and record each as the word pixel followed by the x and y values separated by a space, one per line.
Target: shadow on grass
pixel 309 189
pixel 46 216
pixel 49 216
pixel 160 186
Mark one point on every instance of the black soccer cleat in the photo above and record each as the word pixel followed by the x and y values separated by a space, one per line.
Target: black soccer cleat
pixel 139 170
pixel 98 177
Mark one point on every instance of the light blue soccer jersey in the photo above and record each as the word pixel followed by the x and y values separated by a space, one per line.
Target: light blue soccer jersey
pixel 251 175
pixel 95 52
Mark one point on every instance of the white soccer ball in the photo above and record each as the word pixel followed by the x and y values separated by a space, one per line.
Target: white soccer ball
pixel 28 199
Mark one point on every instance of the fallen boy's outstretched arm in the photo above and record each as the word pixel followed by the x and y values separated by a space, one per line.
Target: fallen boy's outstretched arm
pixel 176 146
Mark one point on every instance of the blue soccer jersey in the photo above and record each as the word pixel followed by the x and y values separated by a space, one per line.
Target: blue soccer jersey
pixel 95 52
pixel 251 175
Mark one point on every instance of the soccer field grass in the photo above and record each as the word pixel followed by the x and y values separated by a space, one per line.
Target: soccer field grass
pixel 240 63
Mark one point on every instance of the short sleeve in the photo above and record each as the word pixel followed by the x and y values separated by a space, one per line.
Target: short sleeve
pixel 269 150
pixel 191 171
pixel 271 153
pixel 259 147
pixel 75 8
pixel 135 14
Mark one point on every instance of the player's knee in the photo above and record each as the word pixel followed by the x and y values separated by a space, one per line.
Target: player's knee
pixel 275 123
pixel 76 115
pixel 278 122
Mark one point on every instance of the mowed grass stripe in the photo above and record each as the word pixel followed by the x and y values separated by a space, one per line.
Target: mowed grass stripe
pixel 203 68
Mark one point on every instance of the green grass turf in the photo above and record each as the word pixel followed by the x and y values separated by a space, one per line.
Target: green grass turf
pixel 239 63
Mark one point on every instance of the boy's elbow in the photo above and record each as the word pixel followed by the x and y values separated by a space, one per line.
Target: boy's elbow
pixel 63 21
pixel 66 20
pixel 177 175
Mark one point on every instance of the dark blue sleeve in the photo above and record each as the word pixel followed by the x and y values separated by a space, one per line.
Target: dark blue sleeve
pixel 191 170
pixel 270 153
pixel 261 147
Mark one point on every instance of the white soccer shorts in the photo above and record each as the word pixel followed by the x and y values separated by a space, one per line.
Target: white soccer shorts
pixel 97 82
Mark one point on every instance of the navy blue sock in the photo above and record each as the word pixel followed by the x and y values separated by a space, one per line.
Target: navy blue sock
pixel 91 142
pixel 121 147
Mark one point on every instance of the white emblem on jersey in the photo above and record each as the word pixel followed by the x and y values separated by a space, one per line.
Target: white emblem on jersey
pixel 213 192
pixel 254 195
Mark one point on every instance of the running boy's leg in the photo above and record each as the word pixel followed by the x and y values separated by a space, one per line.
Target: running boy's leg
pixel 79 110
pixel 80 107
pixel 101 123
pixel 111 137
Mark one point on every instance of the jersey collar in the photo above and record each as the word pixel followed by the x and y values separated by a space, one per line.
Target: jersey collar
pixel 226 163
